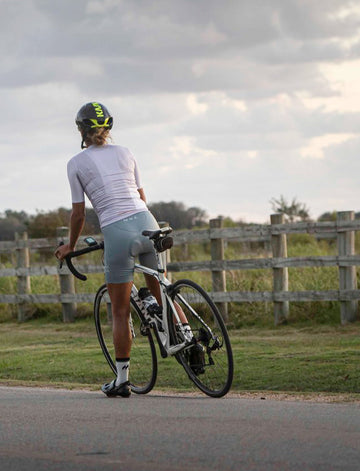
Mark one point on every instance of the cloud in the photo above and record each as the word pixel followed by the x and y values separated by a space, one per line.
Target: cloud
pixel 315 148
pixel 224 105
pixel 172 45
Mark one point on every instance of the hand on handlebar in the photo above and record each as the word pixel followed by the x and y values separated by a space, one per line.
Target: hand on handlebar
pixel 62 251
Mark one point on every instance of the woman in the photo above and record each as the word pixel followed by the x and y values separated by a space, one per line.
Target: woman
pixel 109 176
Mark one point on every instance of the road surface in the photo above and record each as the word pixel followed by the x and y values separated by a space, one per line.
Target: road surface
pixel 49 429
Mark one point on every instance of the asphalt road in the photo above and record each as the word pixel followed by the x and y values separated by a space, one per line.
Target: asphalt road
pixel 43 429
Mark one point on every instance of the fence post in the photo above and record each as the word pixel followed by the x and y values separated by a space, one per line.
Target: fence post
pixel 347 275
pixel 23 281
pixel 67 284
pixel 184 251
pixel 218 276
pixel 280 275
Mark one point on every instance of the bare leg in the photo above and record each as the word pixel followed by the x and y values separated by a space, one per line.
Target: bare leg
pixel 154 287
pixel 120 305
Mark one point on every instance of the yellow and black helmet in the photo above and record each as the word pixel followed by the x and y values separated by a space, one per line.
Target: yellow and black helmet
pixel 93 115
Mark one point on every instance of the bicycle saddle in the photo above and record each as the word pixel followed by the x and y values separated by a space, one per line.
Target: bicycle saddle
pixel 154 235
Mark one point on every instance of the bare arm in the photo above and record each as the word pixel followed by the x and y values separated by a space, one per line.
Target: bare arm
pixel 77 221
pixel 142 194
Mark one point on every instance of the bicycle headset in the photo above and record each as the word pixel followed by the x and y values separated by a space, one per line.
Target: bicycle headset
pixel 90 116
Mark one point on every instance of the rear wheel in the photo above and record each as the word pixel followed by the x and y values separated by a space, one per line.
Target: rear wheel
pixel 143 363
pixel 209 362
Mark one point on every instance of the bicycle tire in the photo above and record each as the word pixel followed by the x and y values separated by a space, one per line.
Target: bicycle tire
pixel 143 363
pixel 215 374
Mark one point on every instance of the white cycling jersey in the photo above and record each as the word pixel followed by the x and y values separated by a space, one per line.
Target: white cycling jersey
pixel 109 176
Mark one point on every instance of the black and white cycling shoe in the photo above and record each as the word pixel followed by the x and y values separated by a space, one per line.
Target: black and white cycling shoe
pixel 111 390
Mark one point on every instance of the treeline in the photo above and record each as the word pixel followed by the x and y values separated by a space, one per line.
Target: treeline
pixel 44 224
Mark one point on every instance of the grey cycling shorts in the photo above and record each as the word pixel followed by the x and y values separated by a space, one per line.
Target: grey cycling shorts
pixel 123 242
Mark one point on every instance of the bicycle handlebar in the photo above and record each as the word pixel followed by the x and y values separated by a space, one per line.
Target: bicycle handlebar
pixel 76 253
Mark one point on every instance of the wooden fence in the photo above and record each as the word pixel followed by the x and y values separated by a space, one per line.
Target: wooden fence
pixel 274 234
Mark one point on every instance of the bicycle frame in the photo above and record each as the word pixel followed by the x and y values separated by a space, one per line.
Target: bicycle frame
pixel 163 338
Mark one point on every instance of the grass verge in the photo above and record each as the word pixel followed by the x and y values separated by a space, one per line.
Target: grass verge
pixel 321 360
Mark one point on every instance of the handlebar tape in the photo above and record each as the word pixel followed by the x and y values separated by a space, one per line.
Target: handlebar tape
pixel 76 253
pixel 73 269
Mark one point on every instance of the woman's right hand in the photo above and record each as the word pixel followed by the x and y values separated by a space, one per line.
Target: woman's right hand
pixel 62 251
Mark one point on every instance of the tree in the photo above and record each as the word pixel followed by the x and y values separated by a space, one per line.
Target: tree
pixel 327 216
pixel 293 211
pixel 45 224
pixel 177 215
pixel 20 216
pixel 92 225
pixel 11 222
pixel 197 217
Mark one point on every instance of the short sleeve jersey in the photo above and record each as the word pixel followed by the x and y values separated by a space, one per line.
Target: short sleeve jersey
pixel 109 176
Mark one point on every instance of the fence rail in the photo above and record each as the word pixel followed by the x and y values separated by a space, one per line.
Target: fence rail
pixel 274 234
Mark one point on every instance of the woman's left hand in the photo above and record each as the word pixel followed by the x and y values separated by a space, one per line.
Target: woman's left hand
pixel 62 251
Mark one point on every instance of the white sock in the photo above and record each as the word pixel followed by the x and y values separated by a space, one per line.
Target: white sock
pixel 122 367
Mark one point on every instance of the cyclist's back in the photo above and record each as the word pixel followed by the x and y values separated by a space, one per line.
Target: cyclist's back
pixel 110 178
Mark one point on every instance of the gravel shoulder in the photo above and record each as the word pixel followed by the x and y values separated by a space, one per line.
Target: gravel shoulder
pixel 319 397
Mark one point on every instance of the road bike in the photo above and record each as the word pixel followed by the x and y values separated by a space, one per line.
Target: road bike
pixel 204 350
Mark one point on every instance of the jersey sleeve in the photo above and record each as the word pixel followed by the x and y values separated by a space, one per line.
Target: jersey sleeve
pixel 77 191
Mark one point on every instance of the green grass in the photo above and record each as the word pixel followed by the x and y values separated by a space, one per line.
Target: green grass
pixel 299 360
pixel 286 359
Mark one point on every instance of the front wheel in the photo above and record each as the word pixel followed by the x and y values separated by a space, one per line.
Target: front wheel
pixel 143 363
pixel 209 362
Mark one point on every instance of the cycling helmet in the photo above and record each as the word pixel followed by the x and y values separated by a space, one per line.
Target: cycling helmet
pixel 91 116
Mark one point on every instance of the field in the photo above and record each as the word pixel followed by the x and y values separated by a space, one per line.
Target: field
pixel 284 359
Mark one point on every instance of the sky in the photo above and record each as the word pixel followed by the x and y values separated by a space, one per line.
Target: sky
pixel 225 104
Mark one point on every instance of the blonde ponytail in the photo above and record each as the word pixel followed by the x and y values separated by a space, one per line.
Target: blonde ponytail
pixel 97 137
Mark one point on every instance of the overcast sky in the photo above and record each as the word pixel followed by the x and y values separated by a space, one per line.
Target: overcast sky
pixel 225 104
